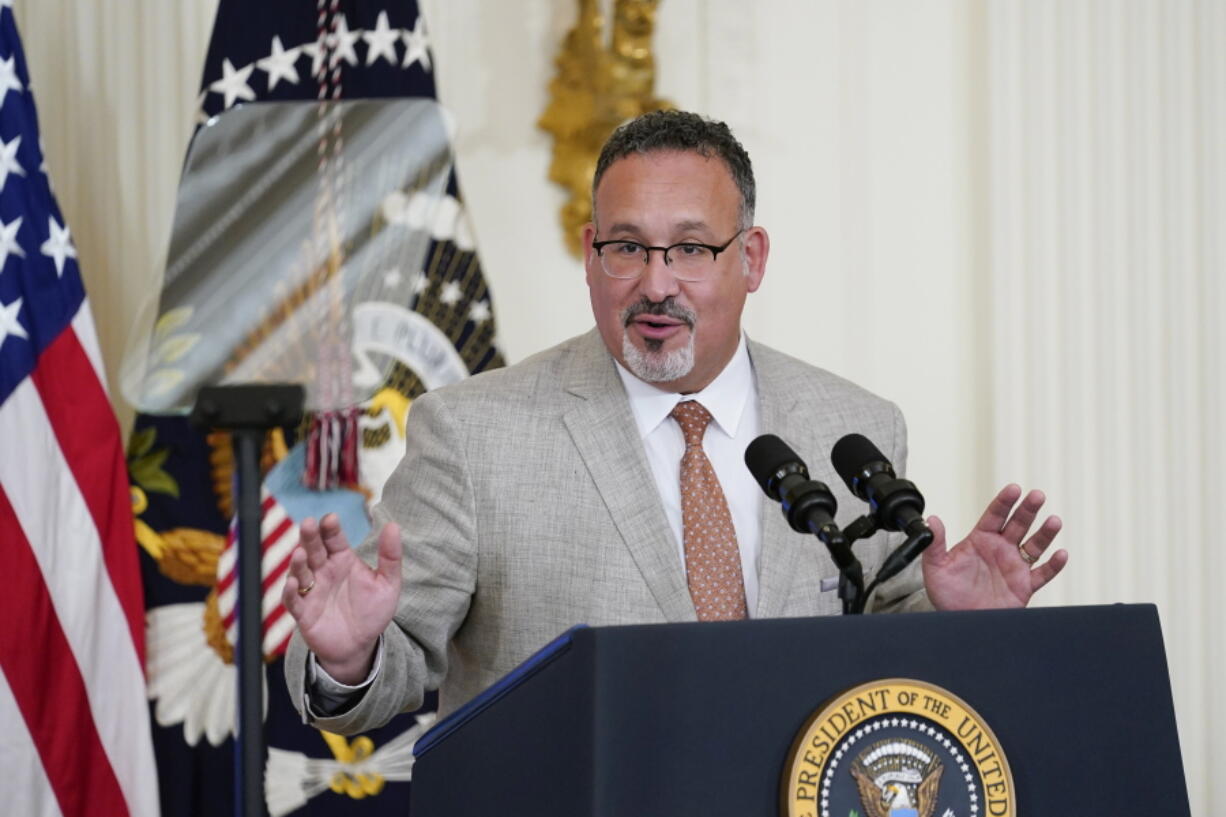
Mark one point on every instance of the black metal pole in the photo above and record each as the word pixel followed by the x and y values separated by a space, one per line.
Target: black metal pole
pixel 248 411
pixel 249 784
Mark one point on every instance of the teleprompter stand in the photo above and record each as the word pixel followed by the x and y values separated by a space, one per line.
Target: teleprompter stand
pixel 681 719
pixel 248 412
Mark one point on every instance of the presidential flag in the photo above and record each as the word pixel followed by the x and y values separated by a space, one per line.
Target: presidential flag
pixel 74 728
pixel 182 480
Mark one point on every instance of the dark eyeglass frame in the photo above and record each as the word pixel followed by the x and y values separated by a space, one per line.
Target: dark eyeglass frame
pixel 599 246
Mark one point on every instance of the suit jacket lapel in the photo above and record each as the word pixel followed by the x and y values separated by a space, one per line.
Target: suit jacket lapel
pixel 782 548
pixel 603 430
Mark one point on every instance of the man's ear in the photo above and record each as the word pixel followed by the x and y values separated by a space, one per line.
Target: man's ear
pixel 757 248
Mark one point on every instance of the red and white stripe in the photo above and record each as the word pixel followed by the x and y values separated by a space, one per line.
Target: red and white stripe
pixel 72 644
pixel 278 535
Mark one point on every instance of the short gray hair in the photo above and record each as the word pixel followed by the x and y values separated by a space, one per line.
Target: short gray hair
pixel 681 131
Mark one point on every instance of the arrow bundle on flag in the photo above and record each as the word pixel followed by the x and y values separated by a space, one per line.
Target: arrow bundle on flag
pixel 74 728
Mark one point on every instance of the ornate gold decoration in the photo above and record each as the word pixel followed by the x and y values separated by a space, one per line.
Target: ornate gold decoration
pixel 394 403
pixel 354 784
pixel 221 464
pixel 597 87
pixel 215 630
pixel 184 555
pixel 189 556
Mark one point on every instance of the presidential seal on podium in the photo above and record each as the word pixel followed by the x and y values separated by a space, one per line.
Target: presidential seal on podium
pixel 896 748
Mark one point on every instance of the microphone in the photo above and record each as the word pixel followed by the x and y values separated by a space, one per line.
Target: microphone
pixel 808 505
pixel 895 504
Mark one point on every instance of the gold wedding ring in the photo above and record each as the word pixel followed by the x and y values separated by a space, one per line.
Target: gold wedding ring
pixel 1020 549
pixel 302 591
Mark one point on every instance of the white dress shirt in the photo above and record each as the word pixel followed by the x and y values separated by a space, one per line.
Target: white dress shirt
pixel 732 400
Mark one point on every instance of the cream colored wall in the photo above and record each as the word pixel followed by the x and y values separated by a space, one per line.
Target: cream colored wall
pixel 876 129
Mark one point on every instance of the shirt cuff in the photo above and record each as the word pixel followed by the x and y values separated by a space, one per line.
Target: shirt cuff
pixel 326 697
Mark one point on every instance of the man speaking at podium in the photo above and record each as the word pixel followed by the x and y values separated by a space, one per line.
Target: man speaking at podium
pixel 603 482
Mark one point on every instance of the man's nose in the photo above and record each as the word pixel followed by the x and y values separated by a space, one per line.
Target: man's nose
pixel 658 281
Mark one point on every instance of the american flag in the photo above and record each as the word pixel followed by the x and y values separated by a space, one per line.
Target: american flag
pixel 74 725
pixel 278 535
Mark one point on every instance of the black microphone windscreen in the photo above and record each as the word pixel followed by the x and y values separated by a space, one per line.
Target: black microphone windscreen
pixel 851 454
pixel 766 455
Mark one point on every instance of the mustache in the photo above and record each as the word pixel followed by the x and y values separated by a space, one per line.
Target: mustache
pixel 668 308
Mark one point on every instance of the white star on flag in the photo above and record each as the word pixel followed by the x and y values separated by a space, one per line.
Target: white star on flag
pixel 8 241
pixel 58 245
pixel 451 293
pixel 315 51
pixel 8 160
pixel 421 283
pixel 9 324
pixel 382 41
pixel 233 83
pixel 417 44
pixel 8 78
pixel 342 41
pixel 279 65
pixel 480 312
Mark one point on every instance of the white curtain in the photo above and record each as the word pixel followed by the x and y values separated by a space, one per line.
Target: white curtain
pixel 1107 180
pixel 1006 215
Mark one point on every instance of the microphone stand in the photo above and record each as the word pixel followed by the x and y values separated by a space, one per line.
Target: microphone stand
pixel 851 574
pixel 861 528
pixel 865 527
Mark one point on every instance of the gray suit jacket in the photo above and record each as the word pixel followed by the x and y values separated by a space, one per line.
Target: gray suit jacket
pixel 527 506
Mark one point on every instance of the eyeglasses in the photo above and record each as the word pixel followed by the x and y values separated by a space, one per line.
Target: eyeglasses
pixel 689 261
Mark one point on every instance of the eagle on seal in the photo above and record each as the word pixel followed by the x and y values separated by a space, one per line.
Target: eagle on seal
pixel 896 780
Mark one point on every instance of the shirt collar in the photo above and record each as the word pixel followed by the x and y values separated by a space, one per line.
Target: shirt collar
pixel 725 396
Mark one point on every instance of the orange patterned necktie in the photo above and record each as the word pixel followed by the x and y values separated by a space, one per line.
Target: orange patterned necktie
pixel 712 558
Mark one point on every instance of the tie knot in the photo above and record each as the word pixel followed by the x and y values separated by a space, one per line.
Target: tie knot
pixel 693 418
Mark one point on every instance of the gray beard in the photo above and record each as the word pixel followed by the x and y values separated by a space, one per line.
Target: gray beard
pixel 655 366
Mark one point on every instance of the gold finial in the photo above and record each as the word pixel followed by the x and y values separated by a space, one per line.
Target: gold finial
pixel 596 88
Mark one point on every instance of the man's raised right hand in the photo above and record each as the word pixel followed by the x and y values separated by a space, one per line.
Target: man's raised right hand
pixel 341 604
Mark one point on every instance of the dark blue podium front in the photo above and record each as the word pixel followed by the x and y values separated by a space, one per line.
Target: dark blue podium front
pixel 681 719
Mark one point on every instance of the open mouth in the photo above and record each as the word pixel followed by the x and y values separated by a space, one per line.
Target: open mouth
pixel 657 327
pixel 658 320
